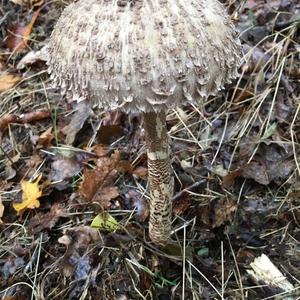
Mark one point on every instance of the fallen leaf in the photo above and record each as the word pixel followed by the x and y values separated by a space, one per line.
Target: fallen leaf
pixel 20 2
pixel 105 221
pixel 18 35
pixel 185 164
pixel 7 81
pixel 34 161
pixel 264 172
pixel 10 266
pixel 176 250
pixel 217 213
pixel 45 221
pixel 124 166
pixel 139 202
pixel 140 172
pixel 95 181
pixel 182 204
pixel 229 179
pixel 76 240
pixel 245 256
pixel 64 168
pixel 1 211
pixel 81 266
pixel 270 131
pixel 107 134
pixel 81 114
pixel 45 139
pixel 31 193
pixel 100 150
pixel 6 120
pixel 79 237
pixel 204 215
pixel 256 59
pixel 223 212
pixel 107 194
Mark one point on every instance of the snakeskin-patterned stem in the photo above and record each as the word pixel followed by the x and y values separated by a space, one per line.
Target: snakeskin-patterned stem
pixel 159 176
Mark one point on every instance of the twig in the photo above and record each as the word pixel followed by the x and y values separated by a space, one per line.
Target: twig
pixel 188 189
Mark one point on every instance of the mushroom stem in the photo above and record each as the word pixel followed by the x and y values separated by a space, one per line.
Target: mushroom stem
pixel 159 177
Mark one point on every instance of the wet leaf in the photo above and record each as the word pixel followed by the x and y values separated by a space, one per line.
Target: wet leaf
pixel 92 188
pixel 64 168
pixel 218 212
pixel 139 202
pixel 256 59
pixel 107 194
pixel 141 172
pixel 76 241
pixel 79 237
pixel 264 172
pixel 176 250
pixel 45 221
pixel 81 266
pixel 100 150
pixel 7 81
pixel 107 134
pixel 182 204
pixel 223 212
pixel 45 139
pixel 18 35
pixel 11 265
pixel 229 179
pixel 82 113
pixel 31 193
pixel 105 221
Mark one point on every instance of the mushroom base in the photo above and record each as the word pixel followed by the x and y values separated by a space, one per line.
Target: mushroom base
pixel 159 176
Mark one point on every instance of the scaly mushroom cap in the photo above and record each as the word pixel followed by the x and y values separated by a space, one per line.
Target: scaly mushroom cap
pixel 143 55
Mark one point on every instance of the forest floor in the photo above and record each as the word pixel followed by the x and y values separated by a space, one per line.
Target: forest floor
pixel 73 183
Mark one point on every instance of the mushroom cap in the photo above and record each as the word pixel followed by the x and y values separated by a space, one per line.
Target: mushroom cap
pixel 143 55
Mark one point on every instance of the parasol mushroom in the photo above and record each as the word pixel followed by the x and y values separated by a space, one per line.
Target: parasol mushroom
pixel 145 56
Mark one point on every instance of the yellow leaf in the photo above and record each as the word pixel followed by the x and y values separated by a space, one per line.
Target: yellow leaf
pixel 7 81
pixel 106 222
pixel 31 193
